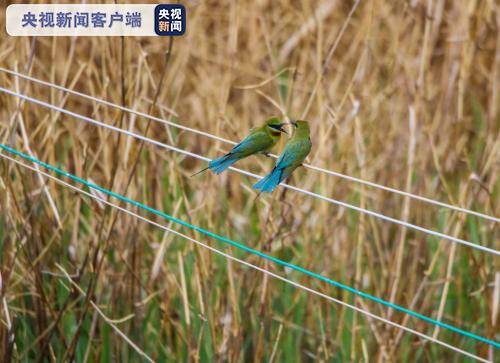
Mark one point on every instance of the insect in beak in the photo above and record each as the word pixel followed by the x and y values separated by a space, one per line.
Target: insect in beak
pixel 294 123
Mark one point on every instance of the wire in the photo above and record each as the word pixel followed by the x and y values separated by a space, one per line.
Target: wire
pixel 303 191
pixel 214 137
pixel 230 257
pixel 250 250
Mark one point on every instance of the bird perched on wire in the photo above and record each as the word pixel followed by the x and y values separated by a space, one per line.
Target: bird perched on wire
pixel 260 141
pixel 294 154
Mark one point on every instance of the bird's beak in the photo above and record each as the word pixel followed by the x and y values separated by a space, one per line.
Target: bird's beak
pixel 280 127
pixel 294 123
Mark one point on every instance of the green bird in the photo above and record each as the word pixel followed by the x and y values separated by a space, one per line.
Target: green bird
pixel 294 154
pixel 260 141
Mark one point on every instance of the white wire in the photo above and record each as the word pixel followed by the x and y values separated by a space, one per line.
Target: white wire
pixel 248 264
pixel 214 137
pixel 303 191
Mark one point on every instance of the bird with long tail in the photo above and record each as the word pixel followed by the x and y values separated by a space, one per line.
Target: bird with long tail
pixel 294 154
pixel 260 141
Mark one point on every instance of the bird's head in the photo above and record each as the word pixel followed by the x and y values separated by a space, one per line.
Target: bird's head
pixel 300 124
pixel 275 124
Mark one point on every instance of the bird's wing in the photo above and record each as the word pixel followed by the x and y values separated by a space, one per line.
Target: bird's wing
pixel 252 144
pixel 294 154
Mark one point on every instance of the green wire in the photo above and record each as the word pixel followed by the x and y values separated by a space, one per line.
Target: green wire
pixel 251 250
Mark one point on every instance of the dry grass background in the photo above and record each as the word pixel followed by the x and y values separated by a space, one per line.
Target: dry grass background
pixel 408 98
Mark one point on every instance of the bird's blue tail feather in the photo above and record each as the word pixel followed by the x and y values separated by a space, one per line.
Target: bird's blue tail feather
pixel 269 182
pixel 222 163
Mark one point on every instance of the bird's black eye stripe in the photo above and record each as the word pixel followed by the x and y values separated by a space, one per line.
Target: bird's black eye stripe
pixel 276 127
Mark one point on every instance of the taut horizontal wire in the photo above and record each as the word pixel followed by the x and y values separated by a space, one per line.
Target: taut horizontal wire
pixel 303 191
pixel 214 137
pixel 251 250
pixel 248 264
